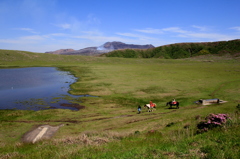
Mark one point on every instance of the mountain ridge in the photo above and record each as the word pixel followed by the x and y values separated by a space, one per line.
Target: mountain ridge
pixel 105 48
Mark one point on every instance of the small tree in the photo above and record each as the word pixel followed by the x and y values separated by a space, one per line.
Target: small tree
pixel 203 52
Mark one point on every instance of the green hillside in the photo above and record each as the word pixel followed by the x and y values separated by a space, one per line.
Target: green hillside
pixel 110 127
pixel 182 50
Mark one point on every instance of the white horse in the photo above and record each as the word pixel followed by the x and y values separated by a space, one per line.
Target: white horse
pixel 150 108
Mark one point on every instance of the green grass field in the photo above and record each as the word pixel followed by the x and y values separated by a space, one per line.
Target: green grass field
pixel 109 127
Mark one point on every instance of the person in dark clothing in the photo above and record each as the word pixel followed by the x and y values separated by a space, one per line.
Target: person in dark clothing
pixel 139 109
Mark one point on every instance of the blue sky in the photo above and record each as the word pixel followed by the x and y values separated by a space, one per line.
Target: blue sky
pixel 49 25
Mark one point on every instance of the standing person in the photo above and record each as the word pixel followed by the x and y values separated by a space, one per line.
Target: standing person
pixel 139 109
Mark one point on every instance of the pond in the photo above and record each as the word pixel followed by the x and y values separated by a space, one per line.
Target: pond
pixel 35 88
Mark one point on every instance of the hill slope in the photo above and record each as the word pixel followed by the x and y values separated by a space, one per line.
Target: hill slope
pixel 182 50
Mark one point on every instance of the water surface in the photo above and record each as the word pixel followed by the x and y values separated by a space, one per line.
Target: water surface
pixel 34 88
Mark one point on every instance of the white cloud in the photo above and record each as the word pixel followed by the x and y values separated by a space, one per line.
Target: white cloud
pixel 24 40
pixel 92 32
pixel 59 34
pixel 201 28
pixel 10 41
pixel 213 36
pixel 187 35
pixel 64 26
pixel 150 31
pixel 161 31
pixel 140 37
pixel 28 30
pixel 75 25
pixel 92 19
pixel 174 29
pixel 101 39
pixel 236 28
pixel 33 38
pixel 128 34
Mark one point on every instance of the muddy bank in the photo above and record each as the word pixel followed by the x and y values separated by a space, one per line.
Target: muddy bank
pixel 74 105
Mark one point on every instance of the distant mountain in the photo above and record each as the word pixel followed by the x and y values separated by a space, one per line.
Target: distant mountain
pixel 61 51
pixel 105 48
pixel 119 45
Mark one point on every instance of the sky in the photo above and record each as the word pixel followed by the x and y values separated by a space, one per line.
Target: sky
pixel 48 25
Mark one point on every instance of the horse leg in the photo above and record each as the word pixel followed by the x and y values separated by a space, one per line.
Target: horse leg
pixel 150 109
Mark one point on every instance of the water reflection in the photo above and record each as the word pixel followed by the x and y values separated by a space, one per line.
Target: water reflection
pixel 34 88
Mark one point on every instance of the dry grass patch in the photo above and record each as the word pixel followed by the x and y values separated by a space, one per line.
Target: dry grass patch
pixel 88 138
pixel 81 140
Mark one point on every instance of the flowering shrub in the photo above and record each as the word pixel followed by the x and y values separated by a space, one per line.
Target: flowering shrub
pixel 212 121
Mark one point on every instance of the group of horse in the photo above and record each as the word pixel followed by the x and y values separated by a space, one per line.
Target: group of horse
pixel 153 106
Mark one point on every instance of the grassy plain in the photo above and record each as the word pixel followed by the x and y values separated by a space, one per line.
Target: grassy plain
pixel 109 127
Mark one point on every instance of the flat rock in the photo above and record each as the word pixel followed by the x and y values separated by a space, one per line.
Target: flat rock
pixel 39 133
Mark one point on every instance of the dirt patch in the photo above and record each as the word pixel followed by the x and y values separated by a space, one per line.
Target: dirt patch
pixel 44 121
pixel 73 105
pixel 122 116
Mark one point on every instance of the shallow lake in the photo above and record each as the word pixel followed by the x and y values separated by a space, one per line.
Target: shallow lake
pixel 35 88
